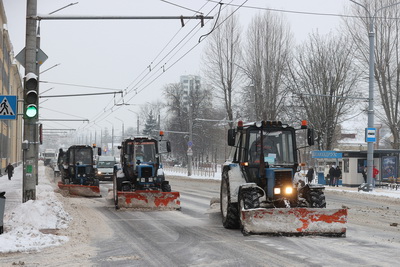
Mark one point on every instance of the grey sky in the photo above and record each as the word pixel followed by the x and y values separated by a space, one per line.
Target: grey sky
pixel 117 53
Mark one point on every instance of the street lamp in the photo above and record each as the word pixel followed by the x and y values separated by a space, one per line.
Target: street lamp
pixel 371 35
pixel 122 133
pixel 137 127
pixel 112 138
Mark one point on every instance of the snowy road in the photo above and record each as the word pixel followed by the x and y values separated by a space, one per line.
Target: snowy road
pixel 101 236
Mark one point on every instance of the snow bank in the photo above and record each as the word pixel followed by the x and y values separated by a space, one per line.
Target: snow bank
pixel 27 225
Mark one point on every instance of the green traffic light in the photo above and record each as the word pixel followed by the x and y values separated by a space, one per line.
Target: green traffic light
pixel 31 111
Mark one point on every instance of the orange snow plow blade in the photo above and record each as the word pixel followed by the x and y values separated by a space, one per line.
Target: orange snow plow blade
pixel 151 199
pixel 80 190
pixel 295 221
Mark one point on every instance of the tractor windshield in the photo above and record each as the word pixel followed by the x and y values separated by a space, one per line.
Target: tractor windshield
pixel 278 148
pixel 145 151
pixel 82 156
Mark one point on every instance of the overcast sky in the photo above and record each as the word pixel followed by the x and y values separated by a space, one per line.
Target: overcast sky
pixel 116 54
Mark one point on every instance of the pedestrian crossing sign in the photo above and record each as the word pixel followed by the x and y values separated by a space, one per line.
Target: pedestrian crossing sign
pixel 8 107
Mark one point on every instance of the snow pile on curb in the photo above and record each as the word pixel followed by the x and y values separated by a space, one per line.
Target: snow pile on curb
pixel 24 222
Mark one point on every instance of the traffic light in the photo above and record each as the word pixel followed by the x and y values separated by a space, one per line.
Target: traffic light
pixel 31 100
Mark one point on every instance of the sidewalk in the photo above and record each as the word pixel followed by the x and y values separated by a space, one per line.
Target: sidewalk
pixel 376 191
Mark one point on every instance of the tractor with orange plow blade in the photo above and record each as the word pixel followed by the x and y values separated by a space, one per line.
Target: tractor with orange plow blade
pixel 260 191
pixel 141 181
pixel 77 171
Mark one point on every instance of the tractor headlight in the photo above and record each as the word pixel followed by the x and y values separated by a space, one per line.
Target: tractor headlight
pixel 143 180
pixel 277 191
pixel 84 175
pixel 79 175
pixel 150 180
pixel 289 190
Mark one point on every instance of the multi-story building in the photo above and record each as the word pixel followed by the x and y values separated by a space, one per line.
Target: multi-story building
pixel 10 84
pixel 189 83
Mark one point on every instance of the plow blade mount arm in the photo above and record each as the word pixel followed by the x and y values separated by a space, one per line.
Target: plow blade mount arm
pixel 294 221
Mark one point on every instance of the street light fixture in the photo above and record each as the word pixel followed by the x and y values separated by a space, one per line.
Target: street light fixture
pixel 371 35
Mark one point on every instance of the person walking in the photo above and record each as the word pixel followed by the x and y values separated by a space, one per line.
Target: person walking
pixel 9 170
pixel 364 174
pixel 310 175
pixel 337 174
pixel 331 175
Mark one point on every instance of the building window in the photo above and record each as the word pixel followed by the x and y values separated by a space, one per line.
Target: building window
pixel 346 165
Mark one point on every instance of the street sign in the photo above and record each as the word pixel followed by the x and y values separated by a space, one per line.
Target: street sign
pixel 319 154
pixel 370 134
pixel 8 107
pixel 190 144
pixel 190 152
pixel 41 57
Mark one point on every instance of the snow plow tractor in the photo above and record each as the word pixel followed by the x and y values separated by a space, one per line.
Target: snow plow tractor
pixel 260 193
pixel 77 171
pixel 141 182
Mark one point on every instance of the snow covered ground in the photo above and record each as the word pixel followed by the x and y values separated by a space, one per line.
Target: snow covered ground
pixel 27 226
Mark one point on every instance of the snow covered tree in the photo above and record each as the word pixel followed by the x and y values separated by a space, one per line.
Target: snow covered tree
pixel 151 125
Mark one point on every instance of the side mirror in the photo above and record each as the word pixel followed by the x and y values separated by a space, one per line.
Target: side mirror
pixel 310 137
pixel 231 137
pixel 99 151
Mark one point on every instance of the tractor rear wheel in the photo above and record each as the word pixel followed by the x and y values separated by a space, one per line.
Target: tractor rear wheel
pixel 229 211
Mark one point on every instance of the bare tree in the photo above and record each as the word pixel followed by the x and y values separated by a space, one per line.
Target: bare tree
pixel 178 101
pixel 222 61
pixel 324 78
pixel 387 56
pixel 268 49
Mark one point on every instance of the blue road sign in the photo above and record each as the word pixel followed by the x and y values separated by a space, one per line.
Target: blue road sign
pixel 326 154
pixel 370 134
pixel 8 107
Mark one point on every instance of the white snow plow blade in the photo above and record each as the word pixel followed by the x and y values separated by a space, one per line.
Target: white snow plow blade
pixel 295 221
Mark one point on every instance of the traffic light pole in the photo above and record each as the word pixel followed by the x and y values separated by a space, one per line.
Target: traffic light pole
pixel 31 146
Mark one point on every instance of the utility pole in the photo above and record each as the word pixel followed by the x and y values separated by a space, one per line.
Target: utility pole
pixel 190 143
pixel 370 142
pixel 31 146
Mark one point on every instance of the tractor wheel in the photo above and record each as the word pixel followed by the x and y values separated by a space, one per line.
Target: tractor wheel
pixel 165 187
pixel 248 199
pixel 317 199
pixel 126 187
pixel 229 211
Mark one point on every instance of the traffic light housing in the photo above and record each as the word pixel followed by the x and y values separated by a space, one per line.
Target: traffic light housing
pixel 31 97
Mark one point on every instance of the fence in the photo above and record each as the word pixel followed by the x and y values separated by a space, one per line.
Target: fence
pixel 198 169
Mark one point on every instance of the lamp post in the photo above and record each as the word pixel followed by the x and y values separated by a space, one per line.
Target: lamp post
pixel 137 126
pixel 122 131
pixel 112 138
pixel 370 143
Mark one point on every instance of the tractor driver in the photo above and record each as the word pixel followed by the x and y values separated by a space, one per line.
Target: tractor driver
pixel 139 153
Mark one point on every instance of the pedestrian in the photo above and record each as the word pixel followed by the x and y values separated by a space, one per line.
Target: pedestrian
pixel 331 175
pixel 9 170
pixel 364 174
pixel 310 175
pixel 338 174
pixel 375 173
